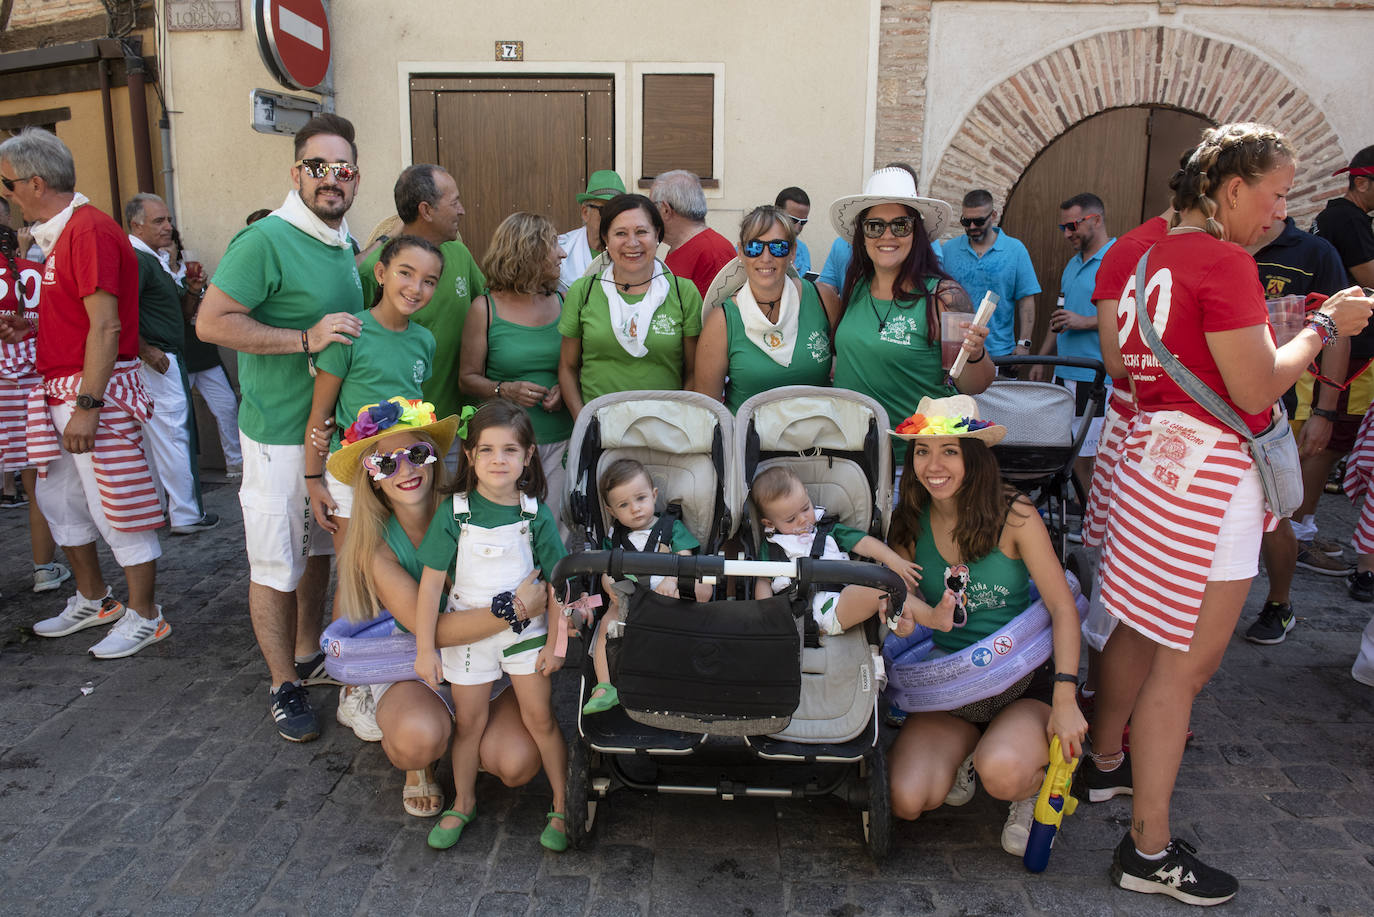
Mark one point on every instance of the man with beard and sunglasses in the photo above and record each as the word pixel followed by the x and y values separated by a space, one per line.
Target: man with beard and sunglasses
pixel 286 288
pixel 987 259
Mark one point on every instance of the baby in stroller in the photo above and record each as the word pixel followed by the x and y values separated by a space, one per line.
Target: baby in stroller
pixel 631 498
pixel 791 525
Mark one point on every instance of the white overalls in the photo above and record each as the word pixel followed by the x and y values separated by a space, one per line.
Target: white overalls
pixel 491 561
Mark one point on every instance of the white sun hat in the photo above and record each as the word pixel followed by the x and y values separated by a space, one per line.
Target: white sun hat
pixel 890 186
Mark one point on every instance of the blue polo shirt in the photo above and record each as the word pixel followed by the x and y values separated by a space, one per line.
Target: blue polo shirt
pixel 837 262
pixel 1076 286
pixel 1006 270
pixel 803 260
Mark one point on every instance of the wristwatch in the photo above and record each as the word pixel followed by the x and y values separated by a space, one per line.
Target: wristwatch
pixel 86 402
pixel 1325 413
pixel 1024 342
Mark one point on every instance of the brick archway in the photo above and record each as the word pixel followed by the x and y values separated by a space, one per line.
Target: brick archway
pixel 1022 115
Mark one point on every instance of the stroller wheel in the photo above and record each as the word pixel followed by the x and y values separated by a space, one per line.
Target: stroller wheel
pixel 1082 563
pixel 581 808
pixel 877 814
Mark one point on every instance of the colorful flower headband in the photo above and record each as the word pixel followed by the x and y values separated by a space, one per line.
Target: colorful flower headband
pixel 921 425
pixel 377 418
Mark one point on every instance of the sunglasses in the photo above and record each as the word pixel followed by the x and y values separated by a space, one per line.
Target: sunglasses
pixel 901 227
pixel 9 183
pixel 1072 225
pixel 318 168
pixel 966 222
pixel 383 465
pixel 799 222
pixel 778 248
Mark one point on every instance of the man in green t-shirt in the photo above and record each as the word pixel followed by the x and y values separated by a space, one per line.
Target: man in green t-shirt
pixel 429 207
pixel 161 345
pixel 286 288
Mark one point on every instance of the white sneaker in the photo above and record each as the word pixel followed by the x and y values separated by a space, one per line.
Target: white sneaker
pixel 358 711
pixel 233 472
pixel 1016 832
pixel 79 614
pixel 965 783
pixel 130 634
pixel 47 577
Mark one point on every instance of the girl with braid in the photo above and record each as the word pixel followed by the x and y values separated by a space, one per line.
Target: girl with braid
pixel 1183 532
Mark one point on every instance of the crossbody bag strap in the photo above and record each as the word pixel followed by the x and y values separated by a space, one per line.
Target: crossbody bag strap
pixel 1184 377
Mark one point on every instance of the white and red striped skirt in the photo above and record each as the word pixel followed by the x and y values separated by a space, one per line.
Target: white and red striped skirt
pixel 1359 482
pixel 1115 423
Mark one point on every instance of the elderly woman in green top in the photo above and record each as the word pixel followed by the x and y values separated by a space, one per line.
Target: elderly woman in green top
pixel 511 341
pixel 774 330
pixel 631 325
pixel 887 343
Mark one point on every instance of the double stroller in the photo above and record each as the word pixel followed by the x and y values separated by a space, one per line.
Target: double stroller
pixel 736 696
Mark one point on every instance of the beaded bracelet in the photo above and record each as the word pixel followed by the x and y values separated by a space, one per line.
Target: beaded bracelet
pixel 1324 325
pixel 503 607
pixel 309 357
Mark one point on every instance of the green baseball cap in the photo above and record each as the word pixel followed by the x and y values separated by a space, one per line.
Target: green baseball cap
pixel 602 186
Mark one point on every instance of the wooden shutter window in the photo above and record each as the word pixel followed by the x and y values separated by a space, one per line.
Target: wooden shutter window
pixel 678 123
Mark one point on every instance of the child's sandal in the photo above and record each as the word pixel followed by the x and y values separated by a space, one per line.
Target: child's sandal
pixel 444 838
pixel 552 838
pixel 600 703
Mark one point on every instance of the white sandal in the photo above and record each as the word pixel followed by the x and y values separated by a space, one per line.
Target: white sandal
pixel 425 789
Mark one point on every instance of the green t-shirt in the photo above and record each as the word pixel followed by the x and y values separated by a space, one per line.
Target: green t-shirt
pixel 286 279
pixel 199 355
pixel 444 316
pixel 440 546
pixel 159 305
pixel 679 539
pixel 378 365
pixel 399 543
pixel 606 367
pixel 845 537
pixel 998 590
pixel 752 371
pixel 883 351
pixel 519 352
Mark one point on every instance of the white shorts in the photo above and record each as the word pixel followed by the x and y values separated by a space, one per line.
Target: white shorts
pixel 443 692
pixel 1238 542
pixel 277 526
pixel 341 493
pixel 484 661
pixel 69 498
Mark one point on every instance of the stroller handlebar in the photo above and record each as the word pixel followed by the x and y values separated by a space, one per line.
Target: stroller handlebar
pixel 806 571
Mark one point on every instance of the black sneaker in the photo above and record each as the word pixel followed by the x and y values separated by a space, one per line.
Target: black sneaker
pixel 1361 586
pixel 1179 874
pixel 1273 624
pixel 296 721
pixel 203 524
pixel 1098 786
pixel 313 672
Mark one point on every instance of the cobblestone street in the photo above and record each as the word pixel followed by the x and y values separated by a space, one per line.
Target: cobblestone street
pixel 166 790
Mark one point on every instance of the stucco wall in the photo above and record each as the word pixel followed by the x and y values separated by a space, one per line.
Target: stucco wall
pixel 1312 48
pixel 796 85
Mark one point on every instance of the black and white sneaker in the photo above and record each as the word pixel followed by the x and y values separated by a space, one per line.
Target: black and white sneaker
pixel 296 720
pixel 1273 624
pixel 1179 874
pixel 1097 785
pixel 313 672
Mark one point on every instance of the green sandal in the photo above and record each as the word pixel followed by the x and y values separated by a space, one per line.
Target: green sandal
pixel 608 698
pixel 444 838
pixel 552 838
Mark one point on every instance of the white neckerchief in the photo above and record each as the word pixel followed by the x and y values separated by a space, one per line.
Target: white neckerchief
pixel 294 211
pixel 630 322
pixel 166 258
pixel 46 234
pixel 141 246
pixel 776 339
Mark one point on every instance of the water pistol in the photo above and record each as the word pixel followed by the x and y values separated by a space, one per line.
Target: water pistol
pixel 1054 802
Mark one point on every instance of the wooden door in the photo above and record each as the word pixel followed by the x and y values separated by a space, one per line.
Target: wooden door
pixel 514 144
pixel 1125 156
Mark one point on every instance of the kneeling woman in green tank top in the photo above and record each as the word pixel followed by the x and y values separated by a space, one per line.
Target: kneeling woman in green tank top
pixel 979 543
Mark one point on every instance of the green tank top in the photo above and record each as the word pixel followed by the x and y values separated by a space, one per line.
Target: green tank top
pixel 752 371
pixel 883 351
pixel 520 352
pixel 406 554
pixel 998 590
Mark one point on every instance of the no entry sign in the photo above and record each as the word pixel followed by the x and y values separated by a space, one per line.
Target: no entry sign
pixel 293 39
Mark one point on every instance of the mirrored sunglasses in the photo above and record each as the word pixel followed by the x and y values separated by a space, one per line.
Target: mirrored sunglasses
pixel 778 248
pixel 318 168
pixel 901 227
pixel 1072 225
pixel 382 465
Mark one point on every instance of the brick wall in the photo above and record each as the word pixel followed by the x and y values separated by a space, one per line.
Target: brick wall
pixel 1018 118
pixel 903 56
